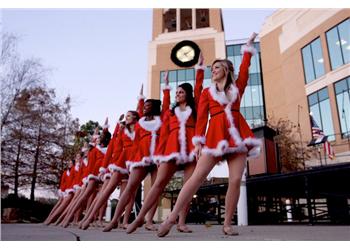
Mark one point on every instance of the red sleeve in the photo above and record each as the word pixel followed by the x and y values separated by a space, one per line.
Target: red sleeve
pixel 63 181
pixel 243 76
pixel 166 101
pixel 140 104
pixel 202 118
pixel 136 142
pixel 108 155
pixel 91 160
pixel 199 85
pixel 118 146
pixel 164 133
pixel 115 132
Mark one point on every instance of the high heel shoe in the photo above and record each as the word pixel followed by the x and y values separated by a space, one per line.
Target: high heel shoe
pixel 151 227
pixel 109 227
pixel 183 229
pixel 164 228
pixel 229 231
pixel 133 226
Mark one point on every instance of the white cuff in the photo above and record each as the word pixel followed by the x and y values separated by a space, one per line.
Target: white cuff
pixel 197 67
pixel 198 140
pixel 250 49
pixel 166 87
pixel 102 170
pixel 141 97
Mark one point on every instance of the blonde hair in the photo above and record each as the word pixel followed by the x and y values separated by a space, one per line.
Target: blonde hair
pixel 229 72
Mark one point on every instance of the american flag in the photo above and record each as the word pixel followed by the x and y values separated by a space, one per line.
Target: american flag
pixel 319 137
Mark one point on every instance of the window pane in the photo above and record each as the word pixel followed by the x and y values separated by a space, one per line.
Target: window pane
pixel 181 75
pixel 186 19
pixel 202 18
pixel 162 74
pixel 313 99
pixel 334 48
pixel 237 50
pixel 317 57
pixel 341 86
pixel 229 50
pixel 316 115
pixel 189 74
pixel 308 67
pixel 172 76
pixel 327 124
pixel 322 94
pixel 248 96
pixel 344 32
pixel 169 20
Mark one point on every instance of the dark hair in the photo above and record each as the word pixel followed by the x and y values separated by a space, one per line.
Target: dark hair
pixel 105 138
pixel 187 87
pixel 227 64
pixel 155 106
pixel 136 118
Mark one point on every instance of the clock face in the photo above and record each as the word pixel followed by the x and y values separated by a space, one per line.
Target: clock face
pixel 185 54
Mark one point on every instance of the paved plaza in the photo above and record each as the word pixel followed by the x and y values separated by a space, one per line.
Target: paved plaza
pixel 39 232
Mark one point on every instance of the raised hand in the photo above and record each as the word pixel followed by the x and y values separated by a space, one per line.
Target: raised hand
pixel 201 59
pixel 166 78
pixel 121 117
pixel 252 38
pixel 141 90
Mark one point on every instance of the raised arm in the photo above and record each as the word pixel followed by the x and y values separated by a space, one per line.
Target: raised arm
pixel 166 95
pixel 141 102
pixel 202 119
pixel 248 51
pixel 200 68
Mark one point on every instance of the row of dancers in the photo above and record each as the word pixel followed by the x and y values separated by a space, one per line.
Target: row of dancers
pixel 159 140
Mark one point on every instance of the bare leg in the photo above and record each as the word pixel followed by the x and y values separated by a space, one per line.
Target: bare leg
pixel 128 210
pixel 150 214
pixel 165 172
pixel 236 165
pixel 181 227
pixel 111 186
pixel 204 166
pixel 61 208
pixel 89 190
pixel 135 179
pixel 53 210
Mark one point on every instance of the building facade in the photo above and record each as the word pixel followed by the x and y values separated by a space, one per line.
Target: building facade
pixel 305 65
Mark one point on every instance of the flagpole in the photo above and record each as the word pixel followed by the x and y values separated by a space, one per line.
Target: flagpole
pixel 301 140
pixel 344 116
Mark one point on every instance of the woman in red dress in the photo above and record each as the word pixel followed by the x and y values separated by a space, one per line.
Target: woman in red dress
pixel 146 140
pixel 228 137
pixel 175 150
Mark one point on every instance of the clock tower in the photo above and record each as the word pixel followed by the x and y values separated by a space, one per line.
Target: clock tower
pixel 179 35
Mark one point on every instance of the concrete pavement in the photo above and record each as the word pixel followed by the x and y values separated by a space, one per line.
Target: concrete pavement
pixel 39 232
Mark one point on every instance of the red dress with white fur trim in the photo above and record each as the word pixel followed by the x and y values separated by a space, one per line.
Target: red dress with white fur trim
pixel 94 164
pixel 177 130
pixel 228 131
pixel 147 137
pixel 122 152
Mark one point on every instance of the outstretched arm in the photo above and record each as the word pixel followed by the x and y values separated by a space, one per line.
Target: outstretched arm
pixel 141 101
pixel 248 51
pixel 199 79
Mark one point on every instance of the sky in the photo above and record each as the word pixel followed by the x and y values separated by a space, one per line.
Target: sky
pixel 99 56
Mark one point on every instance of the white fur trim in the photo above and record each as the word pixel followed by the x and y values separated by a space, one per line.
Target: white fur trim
pixel 102 150
pixel 221 96
pixel 128 134
pixel 197 67
pixel 145 162
pixel 250 49
pixel 93 177
pixel 256 144
pixel 114 168
pixel 68 172
pixel 223 148
pixel 232 129
pixel 85 160
pixel 182 117
pixel 85 180
pixel 141 97
pixel 152 125
pixel 198 140
pixel 167 87
pixel 102 170
pixel 69 190
pixel 76 167
pixel 77 187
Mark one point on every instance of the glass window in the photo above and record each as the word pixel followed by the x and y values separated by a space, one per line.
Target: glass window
pixel 190 74
pixel 202 18
pixel 181 75
pixel 342 90
pixel 229 50
pixel 320 107
pixel 169 20
pixel 313 60
pixel 338 41
pixel 186 19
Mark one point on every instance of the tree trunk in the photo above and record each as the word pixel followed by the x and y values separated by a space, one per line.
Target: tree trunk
pixel 18 161
pixel 36 160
